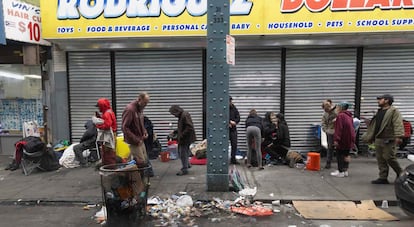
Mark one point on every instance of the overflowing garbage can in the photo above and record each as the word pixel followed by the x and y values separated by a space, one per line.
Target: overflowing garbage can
pixel 125 192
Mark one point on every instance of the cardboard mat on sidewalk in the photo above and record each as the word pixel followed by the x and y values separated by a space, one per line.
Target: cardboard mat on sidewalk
pixel 342 210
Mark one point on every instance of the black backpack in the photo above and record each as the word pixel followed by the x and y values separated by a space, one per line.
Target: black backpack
pixel 34 144
pixel 49 161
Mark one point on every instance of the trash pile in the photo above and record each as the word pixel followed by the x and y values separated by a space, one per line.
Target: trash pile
pixel 180 209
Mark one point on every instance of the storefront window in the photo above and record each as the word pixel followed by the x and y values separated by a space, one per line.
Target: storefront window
pixel 20 96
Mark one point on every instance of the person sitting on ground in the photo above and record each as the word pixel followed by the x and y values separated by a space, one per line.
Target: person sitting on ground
pixel 87 141
pixel 277 139
pixel 254 130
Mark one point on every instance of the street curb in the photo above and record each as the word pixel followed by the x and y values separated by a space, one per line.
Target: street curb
pixel 46 203
pixel 378 203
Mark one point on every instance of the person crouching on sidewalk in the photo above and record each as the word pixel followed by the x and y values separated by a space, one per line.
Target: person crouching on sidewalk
pixel 344 139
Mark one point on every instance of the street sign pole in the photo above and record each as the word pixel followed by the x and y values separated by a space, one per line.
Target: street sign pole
pixel 218 19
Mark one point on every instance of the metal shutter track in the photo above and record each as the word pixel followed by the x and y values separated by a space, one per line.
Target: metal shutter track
pixel 89 79
pixel 313 75
pixel 255 83
pixel 388 70
pixel 170 77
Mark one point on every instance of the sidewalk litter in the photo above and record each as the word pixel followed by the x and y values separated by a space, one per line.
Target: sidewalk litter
pixel 181 209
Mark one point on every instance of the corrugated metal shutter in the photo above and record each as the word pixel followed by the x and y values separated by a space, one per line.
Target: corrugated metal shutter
pixel 255 83
pixel 89 79
pixel 388 70
pixel 313 75
pixel 170 77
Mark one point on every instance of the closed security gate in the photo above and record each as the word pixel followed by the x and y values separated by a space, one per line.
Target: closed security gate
pixel 89 79
pixel 388 70
pixel 170 77
pixel 313 75
pixel 255 83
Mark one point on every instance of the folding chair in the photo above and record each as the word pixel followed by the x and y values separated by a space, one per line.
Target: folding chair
pixel 31 161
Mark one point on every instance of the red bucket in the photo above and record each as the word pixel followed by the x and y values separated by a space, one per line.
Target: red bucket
pixel 314 161
pixel 165 156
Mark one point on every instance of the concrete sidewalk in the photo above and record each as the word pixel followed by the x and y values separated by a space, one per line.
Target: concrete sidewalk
pixel 81 185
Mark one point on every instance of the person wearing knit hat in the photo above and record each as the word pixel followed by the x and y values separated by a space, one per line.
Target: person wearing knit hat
pixel 344 138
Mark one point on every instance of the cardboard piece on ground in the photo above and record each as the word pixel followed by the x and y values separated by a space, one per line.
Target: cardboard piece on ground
pixel 342 210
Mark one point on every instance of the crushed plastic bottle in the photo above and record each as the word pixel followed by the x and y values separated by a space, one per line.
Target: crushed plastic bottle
pixel 132 162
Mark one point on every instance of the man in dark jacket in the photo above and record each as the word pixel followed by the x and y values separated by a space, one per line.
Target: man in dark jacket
pixel 134 129
pixel 149 141
pixel 186 136
pixel 88 141
pixel 234 117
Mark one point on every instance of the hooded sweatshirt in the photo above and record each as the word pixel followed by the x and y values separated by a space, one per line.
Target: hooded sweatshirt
pixel 186 133
pixel 108 115
pixel 344 134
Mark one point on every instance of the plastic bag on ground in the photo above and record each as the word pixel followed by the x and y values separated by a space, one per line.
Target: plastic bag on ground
pixel 185 201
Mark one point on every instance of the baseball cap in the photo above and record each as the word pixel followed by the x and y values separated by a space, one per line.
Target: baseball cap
pixel 386 96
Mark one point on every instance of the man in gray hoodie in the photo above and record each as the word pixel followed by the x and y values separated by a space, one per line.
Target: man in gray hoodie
pixel 186 136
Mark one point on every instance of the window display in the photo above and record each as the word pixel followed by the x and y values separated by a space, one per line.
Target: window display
pixel 20 96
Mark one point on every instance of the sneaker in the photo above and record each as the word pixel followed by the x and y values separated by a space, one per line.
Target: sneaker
pixel 328 165
pixel 380 181
pixel 339 174
pixel 346 174
pixel 334 173
pixel 182 173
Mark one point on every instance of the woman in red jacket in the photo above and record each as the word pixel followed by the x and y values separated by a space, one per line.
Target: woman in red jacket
pixel 106 124
pixel 344 138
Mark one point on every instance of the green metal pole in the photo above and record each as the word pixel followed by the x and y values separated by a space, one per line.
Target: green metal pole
pixel 218 19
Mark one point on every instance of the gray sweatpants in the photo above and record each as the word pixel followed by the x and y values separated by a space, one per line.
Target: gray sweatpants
pixel 184 152
pixel 254 135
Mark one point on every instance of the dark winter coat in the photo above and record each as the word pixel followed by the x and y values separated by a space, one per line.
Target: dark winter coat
pixel 344 135
pixel 186 132
pixel 89 136
pixel 283 137
pixel 254 120
pixel 279 135
pixel 150 130
pixel 269 130
pixel 234 115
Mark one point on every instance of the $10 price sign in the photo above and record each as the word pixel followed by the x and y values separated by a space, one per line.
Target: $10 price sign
pixel 22 22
